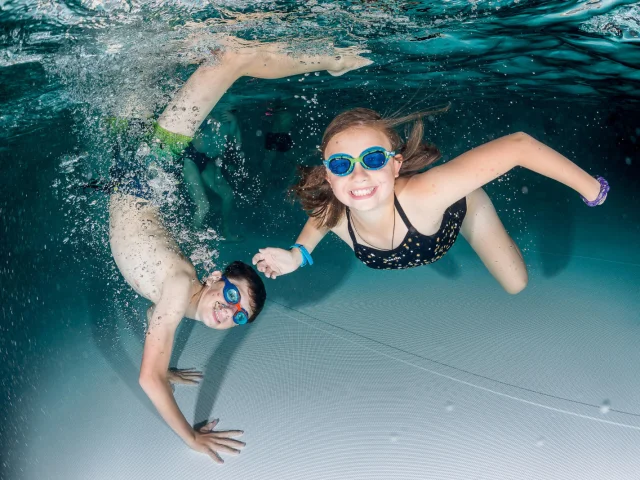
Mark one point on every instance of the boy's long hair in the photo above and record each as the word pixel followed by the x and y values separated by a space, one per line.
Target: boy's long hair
pixel 313 190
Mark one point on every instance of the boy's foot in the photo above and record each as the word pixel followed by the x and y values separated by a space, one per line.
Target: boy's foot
pixel 348 59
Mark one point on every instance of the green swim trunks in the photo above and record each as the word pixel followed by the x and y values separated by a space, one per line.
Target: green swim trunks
pixel 143 149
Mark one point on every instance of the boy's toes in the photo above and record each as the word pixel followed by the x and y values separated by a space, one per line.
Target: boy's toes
pixel 349 58
pixel 349 64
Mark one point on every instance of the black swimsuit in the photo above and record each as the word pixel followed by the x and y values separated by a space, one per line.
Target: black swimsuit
pixel 416 249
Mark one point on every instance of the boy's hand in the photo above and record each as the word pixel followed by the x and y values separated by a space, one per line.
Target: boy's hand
pixel 209 442
pixel 277 261
pixel 185 376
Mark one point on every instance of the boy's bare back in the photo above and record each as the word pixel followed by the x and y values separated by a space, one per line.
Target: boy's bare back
pixel 145 252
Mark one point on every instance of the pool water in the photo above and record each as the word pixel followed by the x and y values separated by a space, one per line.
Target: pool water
pixel 349 373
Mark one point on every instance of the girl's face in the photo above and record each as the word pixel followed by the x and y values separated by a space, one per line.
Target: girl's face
pixel 362 189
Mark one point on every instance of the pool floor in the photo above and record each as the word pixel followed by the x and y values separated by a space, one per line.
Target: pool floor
pixel 426 373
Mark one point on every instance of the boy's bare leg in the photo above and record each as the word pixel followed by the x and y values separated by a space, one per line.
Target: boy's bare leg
pixel 195 188
pixel 213 178
pixel 188 109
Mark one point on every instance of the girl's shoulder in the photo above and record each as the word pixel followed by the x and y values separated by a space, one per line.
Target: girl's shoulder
pixel 416 186
pixel 419 194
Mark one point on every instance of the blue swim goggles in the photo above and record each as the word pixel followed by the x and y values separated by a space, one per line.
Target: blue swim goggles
pixel 373 158
pixel 232 296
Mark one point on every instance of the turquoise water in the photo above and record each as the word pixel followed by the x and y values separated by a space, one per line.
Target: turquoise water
pixel 564 72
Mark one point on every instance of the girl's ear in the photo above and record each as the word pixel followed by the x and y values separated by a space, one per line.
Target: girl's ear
pixel 328 176
pixel 397 164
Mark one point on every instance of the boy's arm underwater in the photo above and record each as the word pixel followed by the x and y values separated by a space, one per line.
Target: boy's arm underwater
pixel 448 183
pixel 163 322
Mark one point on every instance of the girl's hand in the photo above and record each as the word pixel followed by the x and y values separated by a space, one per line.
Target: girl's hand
pixel 210 443
pixel 277 261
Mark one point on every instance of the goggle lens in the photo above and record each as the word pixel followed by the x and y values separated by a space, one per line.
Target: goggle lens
pixel 340 166
pixel 375 160
pixel 240 317
pixel 232 295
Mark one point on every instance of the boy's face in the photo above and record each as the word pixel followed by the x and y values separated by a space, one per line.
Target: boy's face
pixel 213 310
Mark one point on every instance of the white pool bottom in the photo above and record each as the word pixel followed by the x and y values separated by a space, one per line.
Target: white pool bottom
pixel 449 379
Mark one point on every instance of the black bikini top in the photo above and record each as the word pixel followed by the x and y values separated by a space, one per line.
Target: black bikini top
pixel 416 249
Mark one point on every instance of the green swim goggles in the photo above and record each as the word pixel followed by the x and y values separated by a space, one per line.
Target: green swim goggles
pixel 373 158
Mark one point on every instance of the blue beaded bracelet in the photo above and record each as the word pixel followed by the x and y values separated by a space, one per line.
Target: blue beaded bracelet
pixel 306 256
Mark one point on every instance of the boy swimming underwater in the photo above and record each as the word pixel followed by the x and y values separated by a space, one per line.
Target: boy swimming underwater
pixel 148 256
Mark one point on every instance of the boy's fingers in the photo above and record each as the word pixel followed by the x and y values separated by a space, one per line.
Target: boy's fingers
pixel 215 456
pixel 219 447
pixel 209 426
pixel 228 434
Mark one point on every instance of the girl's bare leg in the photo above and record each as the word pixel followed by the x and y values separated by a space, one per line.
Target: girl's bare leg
pixel 485 233
pixel 190 106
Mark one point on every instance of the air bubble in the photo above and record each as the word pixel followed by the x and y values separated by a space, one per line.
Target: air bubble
pixel 540 442
pixel 627 160
pixel 143 150
pixel 394 438
pixel 525 190
pixel 605 407
pixel 258 133
pixel 449 407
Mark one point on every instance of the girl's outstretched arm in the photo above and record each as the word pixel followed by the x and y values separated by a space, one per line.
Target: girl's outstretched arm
pixel 448 183
pixel 277 261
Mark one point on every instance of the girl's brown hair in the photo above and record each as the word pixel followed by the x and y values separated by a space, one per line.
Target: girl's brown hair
pixel 313 190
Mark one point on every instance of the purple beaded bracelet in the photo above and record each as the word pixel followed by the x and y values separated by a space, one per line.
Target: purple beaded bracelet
pixel 602 196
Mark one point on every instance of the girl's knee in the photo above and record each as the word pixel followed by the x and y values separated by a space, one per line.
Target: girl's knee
pixel 518 283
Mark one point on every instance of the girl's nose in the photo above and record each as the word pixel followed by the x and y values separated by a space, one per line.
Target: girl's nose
pixel 359 172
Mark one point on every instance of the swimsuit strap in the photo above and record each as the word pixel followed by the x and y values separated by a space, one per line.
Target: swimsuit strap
pixel 351 234
pixel 403 216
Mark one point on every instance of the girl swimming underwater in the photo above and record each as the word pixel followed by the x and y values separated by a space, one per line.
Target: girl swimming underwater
pixel 373 193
